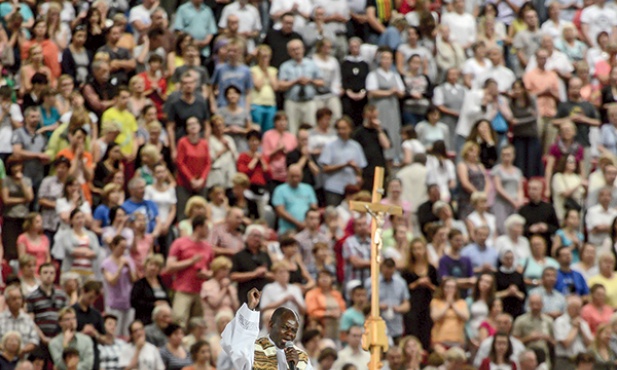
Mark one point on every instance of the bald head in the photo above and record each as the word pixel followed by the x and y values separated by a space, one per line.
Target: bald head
pixel 283 326
pixel 294 175
pixel 295 49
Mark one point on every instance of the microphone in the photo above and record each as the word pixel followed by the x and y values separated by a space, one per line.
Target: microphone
pixel 291 364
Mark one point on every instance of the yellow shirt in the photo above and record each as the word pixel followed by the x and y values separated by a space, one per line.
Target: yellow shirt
pixel 265 96
pixel 128 123
pixel 609 284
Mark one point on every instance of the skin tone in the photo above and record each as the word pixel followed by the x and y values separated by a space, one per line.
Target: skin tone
pixel 449 290
pixel 120 260
pixel 512 290
pixel 507 164
pixel 572 222
pixel 471 160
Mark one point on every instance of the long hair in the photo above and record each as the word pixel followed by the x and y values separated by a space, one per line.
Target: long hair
pixel 474 135
pixel 493 354
pixel 439 294
pixel 412 261
pixel 476 289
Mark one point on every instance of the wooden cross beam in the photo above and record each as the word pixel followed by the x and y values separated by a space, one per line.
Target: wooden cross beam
pixel 374 338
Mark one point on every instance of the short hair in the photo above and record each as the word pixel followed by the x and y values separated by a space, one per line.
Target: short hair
pixel 45 265
pixel 241 179
pixel 548 269
pixel 323 112
pixel 195 201
pixel 68 352
pixel 39 78
pixel 195 322
pixel 199 220
pixel 170 329
pixel 254 227
pixel 65 311
pixel 278 265
pixel 158 309
pixel 454 233
pixel 196 347
pixel 9 334
pixel 219 263
pixel 156 258
pixel 93 286
pixel 5 92
pixel 26 259
pixel 109 316
pixel 11 288
pixel 389 262
pixel 513 220
pixel 253 134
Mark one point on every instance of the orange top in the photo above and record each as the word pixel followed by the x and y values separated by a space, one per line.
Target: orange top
pixel 450 328
pixel 537 82
pixel 88 162
pixel 316 302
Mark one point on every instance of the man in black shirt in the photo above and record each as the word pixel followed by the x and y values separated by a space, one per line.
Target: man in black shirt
pixel 89 319
pixel 374 140
pixel 353 75
pixel 251 266
pixel 425 210
pixel 540 217
pixel 582 113
pixel 278 39
pixel 121 61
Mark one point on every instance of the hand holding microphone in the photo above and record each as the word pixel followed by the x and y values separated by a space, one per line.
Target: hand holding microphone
pixel 292 355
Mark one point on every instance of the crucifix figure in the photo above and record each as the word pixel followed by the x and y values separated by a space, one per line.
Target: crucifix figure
pixel 375 339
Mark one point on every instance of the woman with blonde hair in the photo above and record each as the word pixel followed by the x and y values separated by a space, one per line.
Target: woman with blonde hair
pixel 149 291
pixel 150 156
pixel 59 32
pixel 265 84
pixel 413 352
pixel 218 294
pixel 196 205
pixel 481 217
pixel 138 99
pixel 11 348
pixel 601 349
pixel 27 274
pixel 606 277
pixel 152 133
pixel 33 242
pixel 34 64
pixel 421 278
pixel 241 183
pixel 472 177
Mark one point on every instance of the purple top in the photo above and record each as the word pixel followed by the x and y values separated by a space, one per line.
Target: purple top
pixel 118 296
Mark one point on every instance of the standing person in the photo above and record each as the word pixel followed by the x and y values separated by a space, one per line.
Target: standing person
pixel 240 342
pixel 69 337
pixel 472 177
pixel 33 242
pixel 149 291
pixel 572 334
pixel 189 261
pixel 354 70
pixel 374 140
pixel 119 275
pixel 509 186
pixel 17 195
pixel 342 162
pixel 292 200
pixel 251 266
pixel 138 354
pixel 265 83
pixel 45 303
pixel 499 356
pixel 276 143
pixel 89 319
pixel 385 88
pixel 510 285
pixel 193 162
pixel 421 278
pixel 299 78
pixel 197 19
pixel 449 313
pixel 448 98
pixel 28 145
pixel 526 139
pixel 163 194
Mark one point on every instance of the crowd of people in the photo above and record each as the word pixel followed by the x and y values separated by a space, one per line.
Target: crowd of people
pixel 160 160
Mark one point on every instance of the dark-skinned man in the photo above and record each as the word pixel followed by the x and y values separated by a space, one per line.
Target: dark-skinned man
pixel 241 343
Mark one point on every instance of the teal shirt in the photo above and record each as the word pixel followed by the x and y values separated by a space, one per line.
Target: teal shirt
pixel 351 317
pixel 199 23
pixel 296 202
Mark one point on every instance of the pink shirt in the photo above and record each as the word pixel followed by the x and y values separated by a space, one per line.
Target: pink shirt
pixel 278 160
pixel 210 289
pixel 596 318
pixel 184 248
pixel 537 81
pixel 39 250
pixel 142 250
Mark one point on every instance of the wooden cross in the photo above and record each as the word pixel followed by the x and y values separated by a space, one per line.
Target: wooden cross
pixel 375 339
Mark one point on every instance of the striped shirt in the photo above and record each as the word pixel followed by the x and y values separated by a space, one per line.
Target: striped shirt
pixel 45 309
pixel 22 324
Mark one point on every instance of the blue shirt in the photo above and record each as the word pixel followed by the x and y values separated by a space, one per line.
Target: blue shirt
pixel 297 201
pixel 480 256
pixel 198 23
pixel 7 6
pixel 571 282
pixel 339 152
pixel 101 213
pixel 146 207
pixel 48 120
pixel 226 75
pixel 291 70
pixel 393 293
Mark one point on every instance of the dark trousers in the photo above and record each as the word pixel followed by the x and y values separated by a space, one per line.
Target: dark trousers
pixel 528 151
pixel 334 199
pixel 419 324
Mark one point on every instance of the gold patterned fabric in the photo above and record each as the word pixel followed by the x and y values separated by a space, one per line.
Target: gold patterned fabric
pixel 265 356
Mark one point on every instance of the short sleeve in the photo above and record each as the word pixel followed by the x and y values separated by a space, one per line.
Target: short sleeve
pixel 277 197
pixel 16 113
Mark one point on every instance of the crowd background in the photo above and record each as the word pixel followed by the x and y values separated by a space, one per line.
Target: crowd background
pixel 159 160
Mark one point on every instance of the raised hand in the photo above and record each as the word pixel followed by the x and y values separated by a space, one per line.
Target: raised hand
pixel 253 297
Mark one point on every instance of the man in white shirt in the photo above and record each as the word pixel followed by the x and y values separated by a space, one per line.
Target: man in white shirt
pixel 557 61
pixel 353 353
pixel 572 334
pixel 301 9
pixel 462 25
pixel 239 339
pixel 249 25
pixel 504 325
pixel 598 18
pixel 600 218
pixel 139 17
pixel 497 71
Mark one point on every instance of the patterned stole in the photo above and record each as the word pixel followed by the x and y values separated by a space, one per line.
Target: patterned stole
pixel 265 356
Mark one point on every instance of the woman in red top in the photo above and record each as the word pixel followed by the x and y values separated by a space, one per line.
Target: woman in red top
pixel 277 142
pixel 193 163
pixel 33 241
pixel 254 164
pixel 155 84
